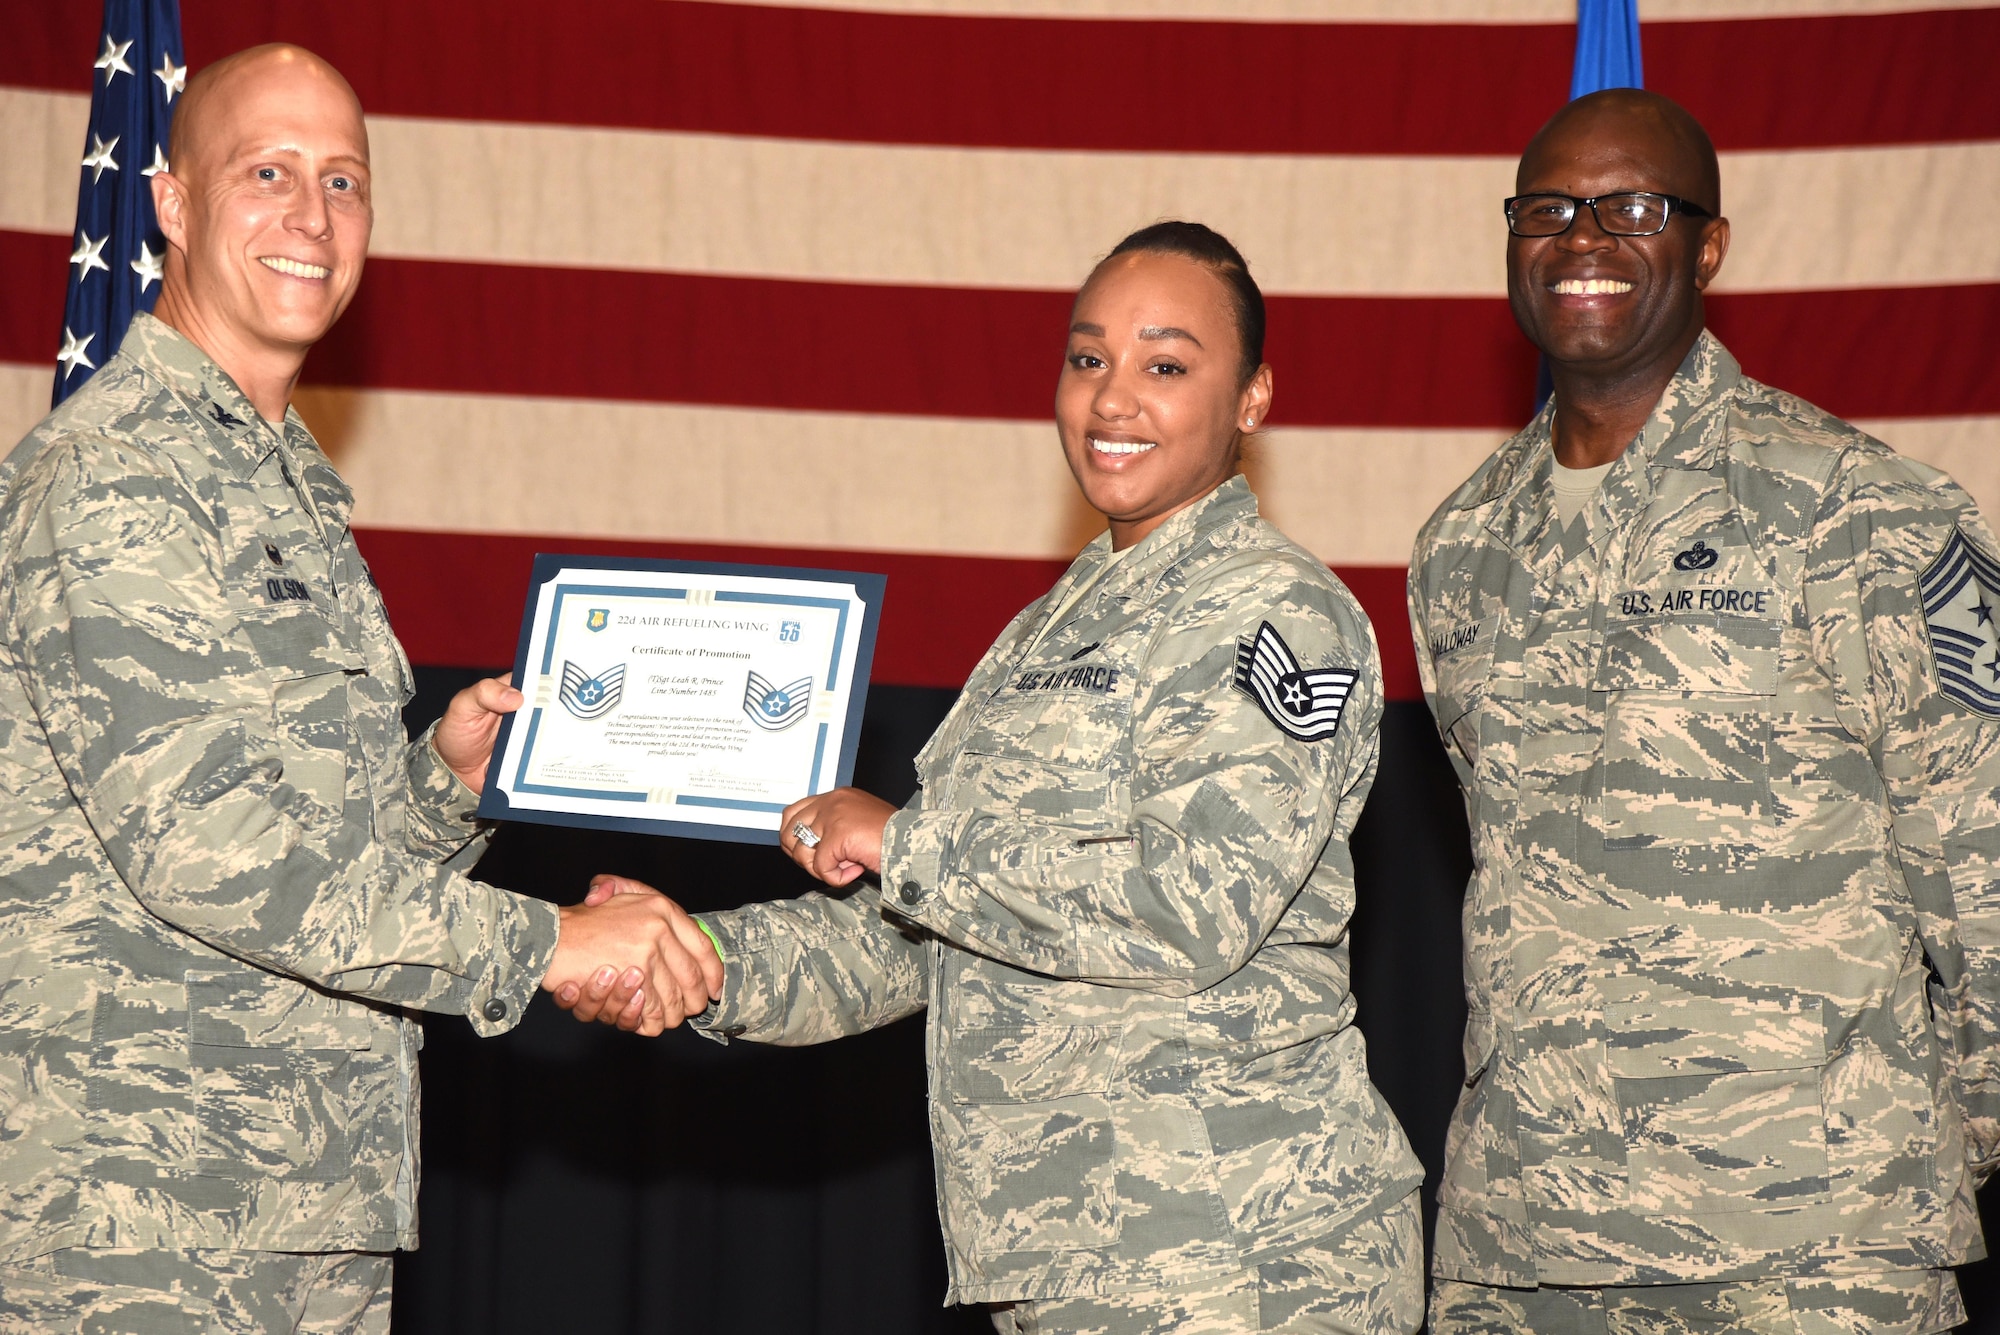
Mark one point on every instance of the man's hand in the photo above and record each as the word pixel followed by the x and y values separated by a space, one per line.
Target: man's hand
pixel 639 950
pixel 849 825
pixel 464 736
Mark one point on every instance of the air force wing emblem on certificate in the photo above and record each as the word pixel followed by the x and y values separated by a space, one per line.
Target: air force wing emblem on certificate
pixel 599 618
pixel 775 708
pixel 590 697
pixel 1961 592
pixel 1305 703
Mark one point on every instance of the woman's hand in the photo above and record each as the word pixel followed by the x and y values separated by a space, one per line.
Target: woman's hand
pixel 849 824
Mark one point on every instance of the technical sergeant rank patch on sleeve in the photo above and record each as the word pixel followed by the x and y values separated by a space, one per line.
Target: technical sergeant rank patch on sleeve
pixel 1305 703
pixel 1961 593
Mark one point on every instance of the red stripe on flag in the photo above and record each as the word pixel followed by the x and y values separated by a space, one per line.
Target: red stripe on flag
pixel 1832 81
pixel 865 348
pixel 1872 352
pixel 959 352
pixel 833 347
pixel 1819 81
pixel 35 269
pixel 456 599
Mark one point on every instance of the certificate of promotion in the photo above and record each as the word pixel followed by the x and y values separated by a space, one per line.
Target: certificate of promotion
pixel 681 697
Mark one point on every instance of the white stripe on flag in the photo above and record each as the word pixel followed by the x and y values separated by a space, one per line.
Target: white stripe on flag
pixel 1006 218
pixel 669 472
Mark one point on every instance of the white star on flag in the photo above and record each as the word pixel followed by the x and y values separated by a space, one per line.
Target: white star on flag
pixel 148 266
pixel 115 229
pixel 174 76
pixel 89 254
pixel 99 159
pixel 112 62
pixel 72 352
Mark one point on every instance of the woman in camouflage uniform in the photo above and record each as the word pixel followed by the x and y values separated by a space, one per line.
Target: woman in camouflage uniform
pixel 1122 890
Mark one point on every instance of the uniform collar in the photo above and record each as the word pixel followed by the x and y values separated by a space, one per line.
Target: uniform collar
pixel 1227 504
pixel 1683 433
pixel 242 440
pixel 1144 561
pixel 226 414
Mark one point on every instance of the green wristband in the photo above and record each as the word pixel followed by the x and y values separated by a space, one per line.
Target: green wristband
pixel 713 940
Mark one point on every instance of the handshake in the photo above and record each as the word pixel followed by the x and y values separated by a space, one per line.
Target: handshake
pixel 627 955
pixel 630 956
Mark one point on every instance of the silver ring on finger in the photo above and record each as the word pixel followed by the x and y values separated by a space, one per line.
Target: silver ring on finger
pixel 804 834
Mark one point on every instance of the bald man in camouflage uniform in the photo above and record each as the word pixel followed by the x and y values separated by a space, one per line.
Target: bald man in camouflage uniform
pixel 226 873
pixel 1717 672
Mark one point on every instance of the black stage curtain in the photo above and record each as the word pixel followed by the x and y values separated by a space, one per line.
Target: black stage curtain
pixel 578 1178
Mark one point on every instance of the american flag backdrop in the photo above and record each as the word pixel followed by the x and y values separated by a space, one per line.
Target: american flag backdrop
pixel 740 281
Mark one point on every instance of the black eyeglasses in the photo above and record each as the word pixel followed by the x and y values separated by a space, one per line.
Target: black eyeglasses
pixel 1627 213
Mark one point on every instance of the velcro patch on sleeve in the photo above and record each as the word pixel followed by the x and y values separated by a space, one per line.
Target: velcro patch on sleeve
pixel 1305 703
pixel 1961 593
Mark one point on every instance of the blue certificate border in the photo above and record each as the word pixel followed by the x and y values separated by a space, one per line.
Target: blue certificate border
pixel 869 587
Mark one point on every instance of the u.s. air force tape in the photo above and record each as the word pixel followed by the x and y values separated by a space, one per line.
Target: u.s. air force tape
pixel 1305 703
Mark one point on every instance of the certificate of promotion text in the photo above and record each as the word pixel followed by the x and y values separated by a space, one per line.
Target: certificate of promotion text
pixel 683 697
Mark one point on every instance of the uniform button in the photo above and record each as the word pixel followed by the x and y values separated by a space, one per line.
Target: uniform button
pixel 912 892
pixel 496 1010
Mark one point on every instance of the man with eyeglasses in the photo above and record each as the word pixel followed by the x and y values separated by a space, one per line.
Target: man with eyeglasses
pixel 1720 676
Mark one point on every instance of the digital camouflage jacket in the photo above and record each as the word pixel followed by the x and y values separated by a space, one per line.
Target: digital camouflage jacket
pixel 1123 892
pixel 1730 757
pixel 223 867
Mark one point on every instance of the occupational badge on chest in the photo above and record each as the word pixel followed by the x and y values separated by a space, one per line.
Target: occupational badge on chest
pixel 1961 593
pixel 1305 703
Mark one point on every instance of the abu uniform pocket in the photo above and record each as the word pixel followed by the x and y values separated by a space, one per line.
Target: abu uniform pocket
pixel 1033 1147
pixel 282 1074
pixel 1071 796
pixel 1720 1101
pixel 309 671
pixel 1687 731
pixel 1462 661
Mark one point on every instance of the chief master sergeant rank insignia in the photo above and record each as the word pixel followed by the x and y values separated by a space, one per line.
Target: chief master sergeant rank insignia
pixel 1959 591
